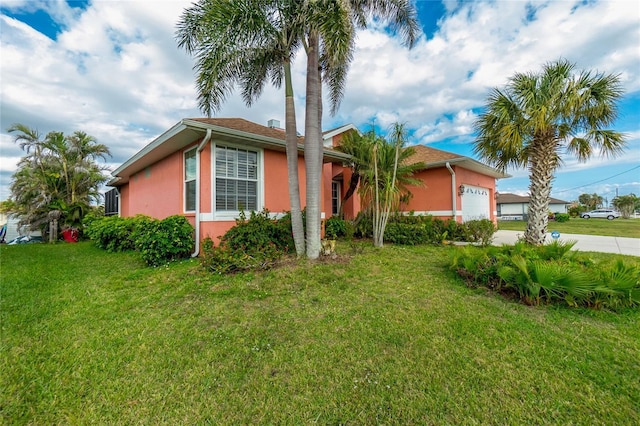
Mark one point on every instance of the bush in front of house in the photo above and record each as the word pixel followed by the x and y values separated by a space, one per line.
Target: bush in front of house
pixel 158 241
pixel 562 217
pixel 254 243
pixel 114 233
pixel 549 274
pixel 163 241
pixel 478 231
pixel 335 227
pixel 417 229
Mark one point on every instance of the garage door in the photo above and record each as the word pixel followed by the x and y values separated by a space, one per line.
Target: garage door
pixel 475 203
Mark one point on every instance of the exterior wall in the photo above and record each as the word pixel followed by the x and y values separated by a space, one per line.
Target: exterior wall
pixel 435 196
pixel 124 200
pixel 558 208
pixel 514 209
pixel 276 182
pixel 157 191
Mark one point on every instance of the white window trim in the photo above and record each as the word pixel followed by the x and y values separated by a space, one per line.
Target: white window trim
pixel 184 179
pixel 225 216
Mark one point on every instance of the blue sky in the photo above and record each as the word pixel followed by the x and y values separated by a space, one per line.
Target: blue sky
pixel 112 69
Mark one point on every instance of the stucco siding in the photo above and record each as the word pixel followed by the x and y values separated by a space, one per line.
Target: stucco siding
pixel 435 195
pixel 157 191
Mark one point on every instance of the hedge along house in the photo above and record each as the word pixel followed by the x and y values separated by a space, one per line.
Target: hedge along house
pixel 209 169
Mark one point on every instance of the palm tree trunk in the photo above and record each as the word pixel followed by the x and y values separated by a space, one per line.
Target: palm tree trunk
pixel 542 164
pixel 313 146
pixel 297 226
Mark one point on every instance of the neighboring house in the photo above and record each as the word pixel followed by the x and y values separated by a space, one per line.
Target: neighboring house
pixel 208 169
pixel 516 207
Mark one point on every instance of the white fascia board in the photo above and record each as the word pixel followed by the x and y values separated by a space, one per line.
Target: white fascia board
pixel 339 130
pixel 470 164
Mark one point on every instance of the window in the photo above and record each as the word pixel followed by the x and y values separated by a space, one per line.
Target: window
pixel 190 180
pixel 335 198
pixel 236 179
pixel 111 202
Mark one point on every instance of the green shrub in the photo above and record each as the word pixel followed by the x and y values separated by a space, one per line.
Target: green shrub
pixel 159 241
pixel 479 231
pixel 256 243
pixel 114 233
pixel 406 233
pixel 335 227
pixel 577 210
pixel 363 226
pixel 162 241
pixel 549 274
pixel 411 230
pixel 562 217
pixel 258 232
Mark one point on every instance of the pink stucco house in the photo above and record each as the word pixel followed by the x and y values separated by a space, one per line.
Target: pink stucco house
pixel 208 169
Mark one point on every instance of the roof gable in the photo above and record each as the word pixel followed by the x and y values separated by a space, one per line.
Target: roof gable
pixel 242 125
pixel 433 158
pixel 428 155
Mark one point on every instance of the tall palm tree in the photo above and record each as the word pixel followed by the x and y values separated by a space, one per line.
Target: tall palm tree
pixel 537 117
pixel 247 43
pixel 329 45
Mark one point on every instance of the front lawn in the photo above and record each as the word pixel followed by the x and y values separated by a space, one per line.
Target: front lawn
pixel 391 337
pixel 613 228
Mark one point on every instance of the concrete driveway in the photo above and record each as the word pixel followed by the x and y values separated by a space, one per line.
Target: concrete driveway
pixel 619 245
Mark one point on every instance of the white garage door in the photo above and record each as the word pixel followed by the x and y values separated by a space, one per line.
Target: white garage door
pixel 475 203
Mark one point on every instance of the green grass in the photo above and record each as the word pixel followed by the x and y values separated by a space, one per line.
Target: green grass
pixel 613 228
pixel 390 337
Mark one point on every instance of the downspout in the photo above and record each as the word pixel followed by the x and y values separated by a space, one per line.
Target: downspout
pixel 454 207
pixel 204 142
pixel 119 202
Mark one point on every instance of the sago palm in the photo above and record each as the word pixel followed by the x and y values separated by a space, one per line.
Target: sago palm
pixel 538 117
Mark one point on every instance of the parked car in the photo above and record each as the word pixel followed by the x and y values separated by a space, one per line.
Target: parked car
pixel 603 213
pixel 25 239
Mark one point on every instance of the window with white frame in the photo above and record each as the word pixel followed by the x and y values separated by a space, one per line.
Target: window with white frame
pixel 190 180
pixel 335 198
pixel 236 185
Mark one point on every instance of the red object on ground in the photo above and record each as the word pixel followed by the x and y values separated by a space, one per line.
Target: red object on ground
pixel 70 235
